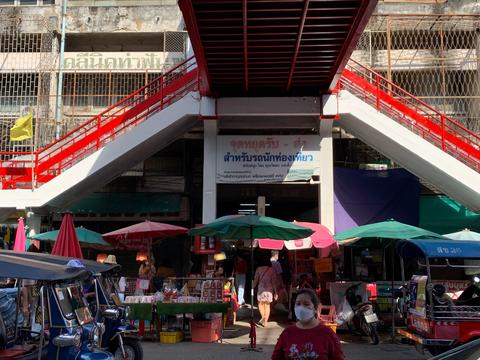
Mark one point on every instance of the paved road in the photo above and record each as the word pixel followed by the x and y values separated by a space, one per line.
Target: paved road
pixel 189 350
pixel 355 348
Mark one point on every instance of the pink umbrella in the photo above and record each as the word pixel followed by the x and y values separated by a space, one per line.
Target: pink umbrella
pixel 20 238
pixel 67 243
pixel 139 236
pixel 321 239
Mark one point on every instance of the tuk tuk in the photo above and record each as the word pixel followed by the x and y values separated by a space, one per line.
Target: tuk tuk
pixel 58 313
pixel 443 305
pixel 118 336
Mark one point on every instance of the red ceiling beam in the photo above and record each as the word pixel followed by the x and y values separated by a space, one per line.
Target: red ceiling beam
pixel 297 44
pixel 363 15
pixel 245 42
pixel 192 27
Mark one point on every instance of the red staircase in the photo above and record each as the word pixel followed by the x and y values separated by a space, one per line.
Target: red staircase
pixel 413 113
pixel 26 170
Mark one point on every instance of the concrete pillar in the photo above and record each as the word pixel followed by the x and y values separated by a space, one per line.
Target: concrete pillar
pixel 325 191
pixel 209 212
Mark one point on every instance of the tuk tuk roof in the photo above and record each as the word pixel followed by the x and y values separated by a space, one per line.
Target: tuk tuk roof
pixel 90 265
pixel 25 268
pixel 434 248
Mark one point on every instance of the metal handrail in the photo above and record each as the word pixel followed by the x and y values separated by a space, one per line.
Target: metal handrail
pixel 439 129
pixel 50 161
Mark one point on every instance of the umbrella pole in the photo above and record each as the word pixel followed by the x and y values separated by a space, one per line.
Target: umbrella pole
pixel 393 293
pixel 253 334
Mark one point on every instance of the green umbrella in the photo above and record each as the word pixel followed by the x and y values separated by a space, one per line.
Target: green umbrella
pixel 382 234
pixel 87 238
pixel 465 234
pixel 249 227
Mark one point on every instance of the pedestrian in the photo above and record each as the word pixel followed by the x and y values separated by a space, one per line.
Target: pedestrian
pixel 265 279
pixel 145 274
pixel 240 273
pixel 308 338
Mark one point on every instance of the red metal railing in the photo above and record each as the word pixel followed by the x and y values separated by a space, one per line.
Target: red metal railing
pixel 413 113
pixel 52 160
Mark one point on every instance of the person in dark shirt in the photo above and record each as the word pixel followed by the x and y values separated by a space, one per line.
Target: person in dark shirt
pixel 308 339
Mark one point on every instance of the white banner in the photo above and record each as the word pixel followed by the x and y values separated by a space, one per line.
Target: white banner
pixel 267 159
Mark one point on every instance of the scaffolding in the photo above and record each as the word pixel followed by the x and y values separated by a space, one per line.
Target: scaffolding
pixel 28 58
pixel 29 70
pixel 434 57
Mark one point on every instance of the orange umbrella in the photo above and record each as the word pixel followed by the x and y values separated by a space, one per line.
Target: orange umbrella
pixel 67 243
pixel 139 236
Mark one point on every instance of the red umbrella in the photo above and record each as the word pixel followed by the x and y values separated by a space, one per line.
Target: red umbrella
pixel 67 243
pixel 20 238
pixel 321 239
pixel 133 237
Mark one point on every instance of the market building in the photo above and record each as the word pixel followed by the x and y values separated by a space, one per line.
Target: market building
pixel 114 47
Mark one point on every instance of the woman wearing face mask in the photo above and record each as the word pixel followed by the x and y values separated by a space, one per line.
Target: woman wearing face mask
pixel 308 339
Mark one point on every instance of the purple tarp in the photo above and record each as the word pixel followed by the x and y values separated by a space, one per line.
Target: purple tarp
pixel 368 196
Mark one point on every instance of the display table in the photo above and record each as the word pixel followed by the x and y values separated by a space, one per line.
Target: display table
pixel 153 312
pixel 190 308
pixel 140 311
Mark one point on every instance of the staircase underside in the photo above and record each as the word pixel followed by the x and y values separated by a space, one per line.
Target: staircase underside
pixel 409 150
pixel 118 156
pixel 395 141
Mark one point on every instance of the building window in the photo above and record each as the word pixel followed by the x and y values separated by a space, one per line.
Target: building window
pixel 18 89
pixel 27 2
pixel 89 90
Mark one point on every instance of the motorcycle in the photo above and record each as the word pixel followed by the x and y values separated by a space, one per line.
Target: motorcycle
pixel 364 318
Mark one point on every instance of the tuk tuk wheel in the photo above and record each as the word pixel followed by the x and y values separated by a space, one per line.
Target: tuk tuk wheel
pixel 374 334
pixel 437 350
pixel 133 350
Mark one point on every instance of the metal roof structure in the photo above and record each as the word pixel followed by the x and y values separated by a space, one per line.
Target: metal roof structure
pixel 273 47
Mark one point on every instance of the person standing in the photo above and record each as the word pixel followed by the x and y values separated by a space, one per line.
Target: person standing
pixel 145 275
pixel 265 279
pixel 308 338
pixel 240 273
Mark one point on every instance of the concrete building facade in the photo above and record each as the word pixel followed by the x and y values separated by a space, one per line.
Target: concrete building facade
pixel 430 48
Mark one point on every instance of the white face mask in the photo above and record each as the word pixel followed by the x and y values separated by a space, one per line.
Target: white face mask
pixel 303 313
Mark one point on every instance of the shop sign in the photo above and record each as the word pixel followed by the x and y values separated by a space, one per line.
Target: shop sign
pixel 267 159
pixel 127 61
pixel 324 265
pixel 420 300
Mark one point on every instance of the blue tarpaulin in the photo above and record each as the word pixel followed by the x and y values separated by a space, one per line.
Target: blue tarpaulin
pixel 439 249
pixel 368 196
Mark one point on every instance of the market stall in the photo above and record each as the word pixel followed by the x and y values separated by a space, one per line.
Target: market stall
pixel 201 301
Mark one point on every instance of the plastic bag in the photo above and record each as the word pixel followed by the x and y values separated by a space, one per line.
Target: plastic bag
pixel 344 313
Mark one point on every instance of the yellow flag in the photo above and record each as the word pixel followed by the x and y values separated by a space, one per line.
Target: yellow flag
pixel 6 238
pixel 23 128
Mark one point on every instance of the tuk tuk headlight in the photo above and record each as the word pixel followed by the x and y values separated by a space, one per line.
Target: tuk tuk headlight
pixel 112 314
pixel 66 340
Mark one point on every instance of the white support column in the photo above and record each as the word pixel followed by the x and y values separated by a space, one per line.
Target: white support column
pixel 325 191
pixel 209 212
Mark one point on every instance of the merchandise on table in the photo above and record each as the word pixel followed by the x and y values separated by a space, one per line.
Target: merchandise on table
pixel 212 291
